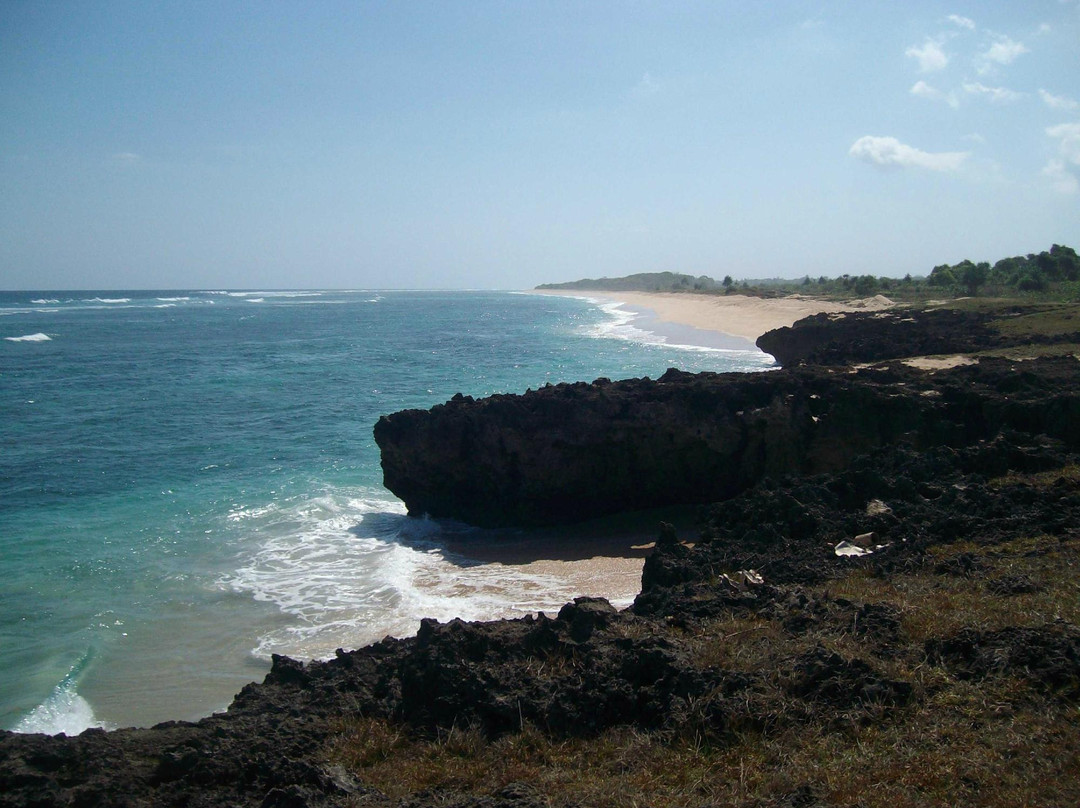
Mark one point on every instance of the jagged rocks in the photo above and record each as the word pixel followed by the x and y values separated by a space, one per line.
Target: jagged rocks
pixel 572 452
pixel 837 339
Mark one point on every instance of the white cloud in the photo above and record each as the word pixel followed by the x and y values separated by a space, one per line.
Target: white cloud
pixel 963 22
pixel 996 94
pixel 930 56
pixel 1059 171
pixel 1057 101
pixel 1060 177
pixel 924 90
pixel 1069 136
pixel 890 152
pixel 1003 52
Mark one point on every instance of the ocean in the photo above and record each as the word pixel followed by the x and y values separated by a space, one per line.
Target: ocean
pixel 188 480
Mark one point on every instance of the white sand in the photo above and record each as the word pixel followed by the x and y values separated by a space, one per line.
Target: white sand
pixel 737 315
pixel 612 568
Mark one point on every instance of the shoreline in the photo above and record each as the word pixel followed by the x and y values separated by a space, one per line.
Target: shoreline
pixel 608 562
pixel 738 316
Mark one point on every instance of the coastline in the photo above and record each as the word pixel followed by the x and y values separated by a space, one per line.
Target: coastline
pixel 960 630
pixel 611 566
pixel 736 315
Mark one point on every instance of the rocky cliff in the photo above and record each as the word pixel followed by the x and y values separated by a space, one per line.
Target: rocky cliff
pixel 574 451
pixel 852 337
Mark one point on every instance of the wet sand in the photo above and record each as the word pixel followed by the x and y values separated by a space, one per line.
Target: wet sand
pixel 735 315
pixel 607 563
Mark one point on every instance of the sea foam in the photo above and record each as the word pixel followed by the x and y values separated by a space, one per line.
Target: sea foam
pixel 349 571
pixel 64 711
pixel 39 337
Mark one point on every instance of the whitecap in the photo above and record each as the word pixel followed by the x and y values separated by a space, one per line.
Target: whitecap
pixel 255 300
pixel 303 293
pixel 64 711
pixel 42 301
pixel 173 299
pixel 619 325
pixel 10 312
pixel 109 300
pixel 348 571
pixel 30 338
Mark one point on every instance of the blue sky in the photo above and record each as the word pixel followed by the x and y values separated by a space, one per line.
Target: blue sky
pixel 501 145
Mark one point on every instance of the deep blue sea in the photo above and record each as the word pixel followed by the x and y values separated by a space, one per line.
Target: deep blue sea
pixel 188 480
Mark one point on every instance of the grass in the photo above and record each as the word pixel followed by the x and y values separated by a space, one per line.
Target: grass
pixel 998 741
pixel 940 605
pixel 964 745
pixel 1046 321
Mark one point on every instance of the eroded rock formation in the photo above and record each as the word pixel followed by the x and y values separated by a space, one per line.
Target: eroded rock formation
pixel 834 339
pixel 574 451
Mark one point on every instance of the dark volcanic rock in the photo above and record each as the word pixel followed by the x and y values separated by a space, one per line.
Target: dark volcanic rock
pixel 834 339
pixel 575 451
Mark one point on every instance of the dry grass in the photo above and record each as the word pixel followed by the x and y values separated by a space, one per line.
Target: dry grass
pixel 1048 321
pixel 1022 353
pixel 1068 474
pixel 964 745
pixel 737 643
pixel 994 742
pixel 935 605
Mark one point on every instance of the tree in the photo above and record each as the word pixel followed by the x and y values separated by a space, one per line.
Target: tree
pixel 727 282
pixel 974 275
pixel 1031 282
pixel 941 276
pixel 866 285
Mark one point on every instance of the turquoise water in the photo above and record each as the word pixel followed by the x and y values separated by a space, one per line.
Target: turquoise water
pixel 188 480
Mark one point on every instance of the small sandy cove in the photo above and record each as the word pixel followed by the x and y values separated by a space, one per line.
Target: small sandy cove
pixel 737 315
pixel 615 574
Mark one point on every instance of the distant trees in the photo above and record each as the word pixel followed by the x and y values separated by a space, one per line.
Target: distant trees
pixel 1023 273
pixel 1052 270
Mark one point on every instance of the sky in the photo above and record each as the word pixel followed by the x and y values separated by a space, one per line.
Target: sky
pixel 498 145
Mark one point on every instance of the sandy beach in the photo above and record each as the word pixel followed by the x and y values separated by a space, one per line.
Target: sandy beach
pixel 599 558
pixel 735 315
pixel 608 569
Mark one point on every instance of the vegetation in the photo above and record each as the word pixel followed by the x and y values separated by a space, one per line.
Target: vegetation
pixel 1003 740
pixel 1052 274
pixel 645 282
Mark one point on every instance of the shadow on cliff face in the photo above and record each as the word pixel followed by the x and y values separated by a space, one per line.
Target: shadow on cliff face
pixel 624 535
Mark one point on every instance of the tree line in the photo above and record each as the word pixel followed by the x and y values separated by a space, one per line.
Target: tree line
pixel 1056 270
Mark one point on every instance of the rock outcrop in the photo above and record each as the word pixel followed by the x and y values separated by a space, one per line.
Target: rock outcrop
pixel 834 339
pixel 574 451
